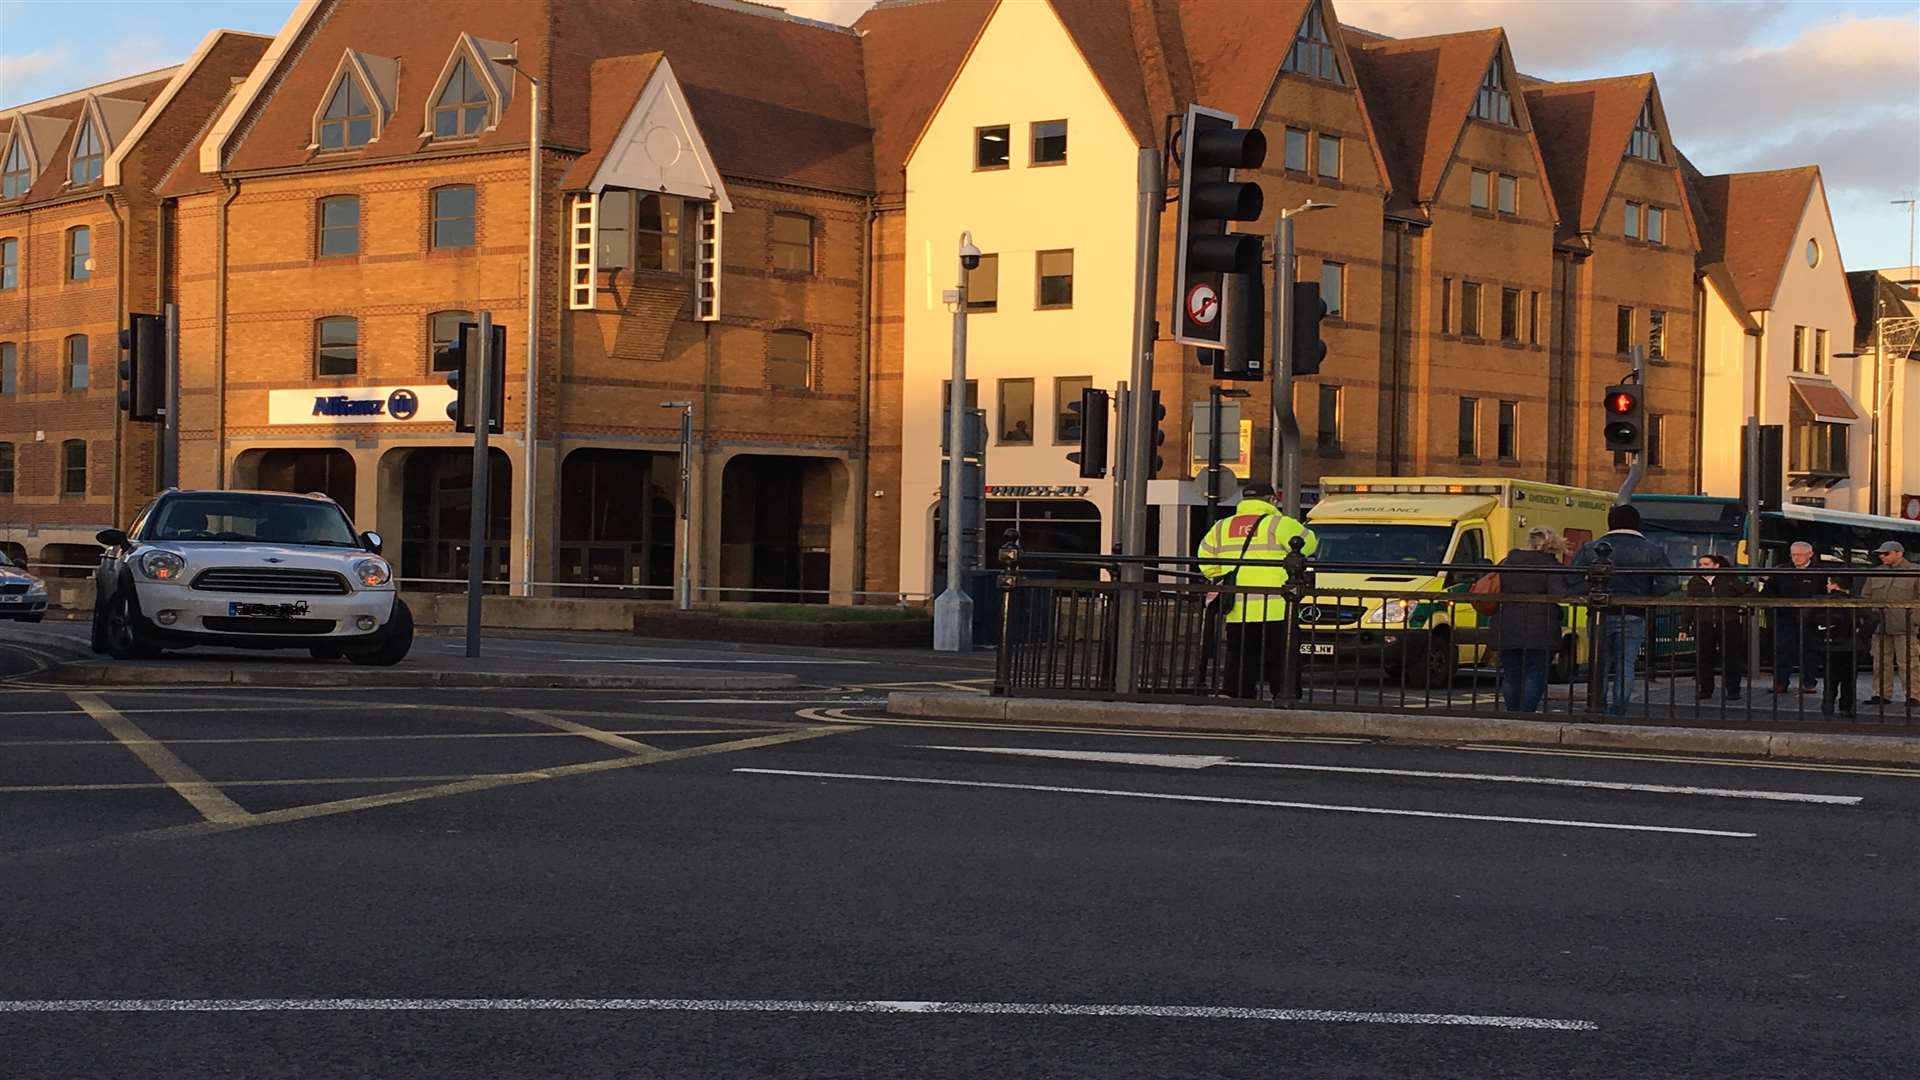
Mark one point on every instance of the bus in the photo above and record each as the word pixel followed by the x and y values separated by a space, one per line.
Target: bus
pixel 1694 525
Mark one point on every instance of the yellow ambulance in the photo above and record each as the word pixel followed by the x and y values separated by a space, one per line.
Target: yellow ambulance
pixel 1466 523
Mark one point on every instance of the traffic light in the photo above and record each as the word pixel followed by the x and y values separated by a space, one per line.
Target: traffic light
pixel 143 367
pixel 1244 357
pixel 1158 439
pixel 1626 418
pixel 1308 309
pixel 463 409
pixel 1211 148
pixel 1092 455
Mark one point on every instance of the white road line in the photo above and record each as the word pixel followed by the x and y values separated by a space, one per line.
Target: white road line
pixel 910 1008
pixel 1207 761
pixel 1682 759
pixel 1227 801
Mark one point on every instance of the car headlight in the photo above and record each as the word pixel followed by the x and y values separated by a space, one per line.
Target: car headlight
pixel 37 588
pixel 372 572
pixel 162 565
pixel 1392 612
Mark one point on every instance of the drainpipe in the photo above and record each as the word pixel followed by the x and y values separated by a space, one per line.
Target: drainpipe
pixel 220 338
pixel 1699 380
pixel 708 568
pixel 861 467
pixel 1396 424
pixel 121 247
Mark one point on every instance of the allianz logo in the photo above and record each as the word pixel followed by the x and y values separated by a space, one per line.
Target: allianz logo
pixel 401 404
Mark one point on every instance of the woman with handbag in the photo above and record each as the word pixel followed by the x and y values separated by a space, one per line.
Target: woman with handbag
pixel 1526 632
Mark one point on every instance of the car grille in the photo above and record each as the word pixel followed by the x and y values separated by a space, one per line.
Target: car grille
pixel 267 626
pixel 1330 615
pixel 271 579
pixel 12 590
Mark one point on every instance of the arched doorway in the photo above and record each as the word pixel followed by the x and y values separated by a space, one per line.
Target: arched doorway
pixel 437 501
pixel 327 471
pixel 617 524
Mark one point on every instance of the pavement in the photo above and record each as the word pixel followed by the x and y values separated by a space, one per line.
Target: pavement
pixel 238 881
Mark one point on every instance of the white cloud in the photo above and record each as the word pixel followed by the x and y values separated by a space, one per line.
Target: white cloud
pixel 1571 36
pixel 19 68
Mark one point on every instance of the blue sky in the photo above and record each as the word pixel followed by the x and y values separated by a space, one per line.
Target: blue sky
pixel 1748 84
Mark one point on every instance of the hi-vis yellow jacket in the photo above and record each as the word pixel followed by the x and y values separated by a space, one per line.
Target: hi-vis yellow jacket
pixel 1266 533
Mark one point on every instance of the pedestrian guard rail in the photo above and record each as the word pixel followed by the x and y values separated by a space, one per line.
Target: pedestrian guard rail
pixel 1416 637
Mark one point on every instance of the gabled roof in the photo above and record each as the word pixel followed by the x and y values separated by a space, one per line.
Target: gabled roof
pixel 1750 221
pixel 911 49
pixel 1107 42
pixel 628 143
pixel 1875 295
pixel 49 127
pixel 1583 129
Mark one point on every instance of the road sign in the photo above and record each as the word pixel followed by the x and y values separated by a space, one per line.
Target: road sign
pixel 1203 304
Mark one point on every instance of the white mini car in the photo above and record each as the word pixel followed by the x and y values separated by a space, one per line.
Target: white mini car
pixel 247 569
pixel 22 596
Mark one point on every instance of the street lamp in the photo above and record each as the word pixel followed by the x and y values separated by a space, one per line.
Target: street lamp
pixel 1283 470
pixel 683 587
pixel 533 317
pixel 953 608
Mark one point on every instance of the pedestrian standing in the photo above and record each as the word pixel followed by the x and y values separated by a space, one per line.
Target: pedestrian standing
pixel 1526 632
pixel 1896 641
pixel 1792 627
pixel 1843 635
pixel 1256 624
pixel 1719 632
pixel 1625 628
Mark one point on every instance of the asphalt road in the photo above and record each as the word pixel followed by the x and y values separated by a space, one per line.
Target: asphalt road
pixel 357 883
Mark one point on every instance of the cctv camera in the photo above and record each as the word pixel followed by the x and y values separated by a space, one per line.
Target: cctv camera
pixel 969 255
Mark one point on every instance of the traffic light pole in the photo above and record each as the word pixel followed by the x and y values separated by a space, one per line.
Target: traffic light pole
pixel 1637 466
pixel 170 425
pixel 1284 466
pixel 477 519
pixel 1213 454
pixel 1752 439
pixel 1139 422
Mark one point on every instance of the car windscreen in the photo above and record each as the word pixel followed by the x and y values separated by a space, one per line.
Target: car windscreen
pixel 1367 543
pixel 250 519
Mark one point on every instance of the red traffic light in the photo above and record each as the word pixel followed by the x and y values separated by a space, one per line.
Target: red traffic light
pixel 1621 402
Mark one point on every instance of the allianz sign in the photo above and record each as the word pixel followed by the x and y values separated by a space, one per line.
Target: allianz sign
pixel 360 405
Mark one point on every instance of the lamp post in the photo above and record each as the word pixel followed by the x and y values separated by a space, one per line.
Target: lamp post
pixel 953 608
pixel 533 322
pixel 1283 470
pixel 683 586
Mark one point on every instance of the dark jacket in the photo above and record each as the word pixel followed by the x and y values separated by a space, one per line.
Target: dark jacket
pixel 1722 585
pixel 1632 551
pixel 1843 629
pixel 1520 625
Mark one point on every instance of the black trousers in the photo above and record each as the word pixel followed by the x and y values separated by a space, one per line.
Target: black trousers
pixel 1256 653
pixel 1721 651
pixel 1842 668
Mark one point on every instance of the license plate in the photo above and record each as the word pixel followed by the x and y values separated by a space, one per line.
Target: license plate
pixel 1310 649
pixel 239 610
pixel 13 599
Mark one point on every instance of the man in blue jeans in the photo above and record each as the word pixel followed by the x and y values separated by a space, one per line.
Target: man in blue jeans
pixel 1626 628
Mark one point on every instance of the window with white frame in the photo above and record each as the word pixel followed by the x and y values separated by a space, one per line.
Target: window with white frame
pixel 16 176
pixel 1656 335
pixel 464 104
pixel 1493 102
pixel 1646 141
pixel 641 230
pixel 88 153
pixel 1312 53
pixel 9 262
pixel 1326 156
pixel 1656 225
pixel 348 118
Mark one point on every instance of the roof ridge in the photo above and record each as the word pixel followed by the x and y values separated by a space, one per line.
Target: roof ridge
pixel 96 90
pixel 1548 86
pixel 1764 172
pixel 1385 44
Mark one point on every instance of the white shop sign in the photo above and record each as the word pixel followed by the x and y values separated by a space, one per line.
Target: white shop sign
pixel 360 405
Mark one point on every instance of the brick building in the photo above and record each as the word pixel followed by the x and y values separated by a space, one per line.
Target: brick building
pixel 80 238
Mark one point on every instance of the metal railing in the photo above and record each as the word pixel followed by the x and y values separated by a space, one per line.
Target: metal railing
pixel 1677 657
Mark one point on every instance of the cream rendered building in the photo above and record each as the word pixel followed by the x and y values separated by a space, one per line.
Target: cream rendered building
pixel 1025 86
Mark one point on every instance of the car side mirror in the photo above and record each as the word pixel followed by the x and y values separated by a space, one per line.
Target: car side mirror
pixel 372 541
pixel 110 537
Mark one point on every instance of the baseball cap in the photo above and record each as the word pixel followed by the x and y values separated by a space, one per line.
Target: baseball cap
pixel 1891 545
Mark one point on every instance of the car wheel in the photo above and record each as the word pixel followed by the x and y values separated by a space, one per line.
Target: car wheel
pixel 1563 667
pixel 1436 668
pixel 35 617
pixel 326 652
pixel 394 644
pixel 121 634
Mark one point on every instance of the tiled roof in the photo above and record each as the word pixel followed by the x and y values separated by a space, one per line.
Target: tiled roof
pixel 1584 128
pixel 1421 89
pixel 1237 48
pixel 1749 222
pixel 1105 38
pixel 617 83
pixel 912 48
pixel 52 127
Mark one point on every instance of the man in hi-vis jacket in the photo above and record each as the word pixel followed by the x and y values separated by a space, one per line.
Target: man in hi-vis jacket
pixel 1257 622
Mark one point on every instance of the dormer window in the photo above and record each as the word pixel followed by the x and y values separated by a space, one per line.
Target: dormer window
pixel 1646 141
pixel 87 155
pixel 1493 103
pixel 348 120
pixel 463 104
pixel 1312 53
pixel 17 176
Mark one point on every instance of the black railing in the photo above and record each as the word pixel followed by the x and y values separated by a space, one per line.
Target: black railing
pixel 1337 641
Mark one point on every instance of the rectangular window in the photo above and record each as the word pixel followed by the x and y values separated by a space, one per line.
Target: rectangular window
pixel 1509 195
pixel 1656 440
pixel 79 254
pixel 1326 159
pixel 1470 309
pixel 1819 352
pixel 6 468
pixel 77 373
pixel 74 467
pixel 1509 314
pixel 657 221
pixel 793 243
pixel 1050 142
pixel 336 346
pixel 453 217
pixel 9 263
pixel 1656 335
pixel 1533 318
pixel 9 368
pixel 790 359
pixel 340 225
pixel 1505 434
pixel 1333 288
pixel 992 146
pixel 1623 330
pixel 1799 348
pixel 983 285
pixel 1656 225
pixel 1631 223
pixel 1066 422
pixel 1016 412
pixel 1469 427
pixel 1477 190
pixel 1328 437
pixel 444 328
pixel 1296 158
pixel 1446 305
pixel 1054 272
